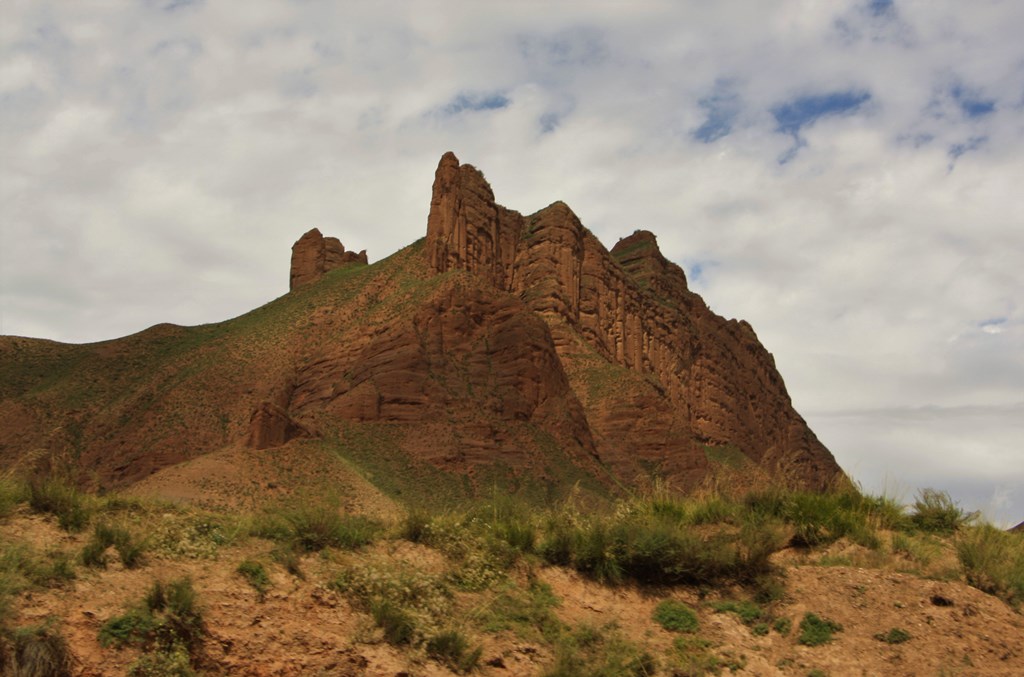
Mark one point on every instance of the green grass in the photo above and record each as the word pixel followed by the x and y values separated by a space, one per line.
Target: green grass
pixel 529 613
pixel 62 500
pixel 314 525
pixel 256 576
pixel 676 616
pixel 453 649
pixel 166 621
pixel 815 630
pixel 993 561
pixel 893 636
pixel 587 651
pixel 105 535
pixel 934 511
pixel 748 612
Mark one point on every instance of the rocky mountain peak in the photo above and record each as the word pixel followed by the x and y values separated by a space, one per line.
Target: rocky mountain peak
pixel 313 255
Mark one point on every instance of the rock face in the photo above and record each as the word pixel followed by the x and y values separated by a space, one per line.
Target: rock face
pixel 313 255
pixel 687 385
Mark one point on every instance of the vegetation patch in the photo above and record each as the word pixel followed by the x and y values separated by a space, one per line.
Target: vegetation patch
pixel 38 651
pixel 256 576
pixel 676 616
pixel 167 621
pixel 893 636
pixel 314 525
pixel 600 652
pixel 993 561
pixel 934 511
pixel 62 500
pixel 815 630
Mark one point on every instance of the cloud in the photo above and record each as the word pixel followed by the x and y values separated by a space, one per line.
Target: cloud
pixel 160 158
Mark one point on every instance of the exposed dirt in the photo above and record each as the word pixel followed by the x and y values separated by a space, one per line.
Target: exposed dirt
pixel 303 627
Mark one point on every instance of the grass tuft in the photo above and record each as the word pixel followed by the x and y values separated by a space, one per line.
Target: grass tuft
pixel 256 576
pixel 815 631
pixel 676 616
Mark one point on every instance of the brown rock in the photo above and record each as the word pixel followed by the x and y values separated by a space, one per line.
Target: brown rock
pixel 690 383
pixel 313 255
pixel 271 426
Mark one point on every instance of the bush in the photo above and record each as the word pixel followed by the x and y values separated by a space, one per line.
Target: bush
pixel 167 621
pixel 935 511
pixel 105 535
pixel 452 648
pixel 676 616
pixel 815 631
pixel 993 561
pixel 61 500
pixel 313 527
pixel 747 611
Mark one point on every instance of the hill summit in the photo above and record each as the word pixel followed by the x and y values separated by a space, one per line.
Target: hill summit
pixel 502 348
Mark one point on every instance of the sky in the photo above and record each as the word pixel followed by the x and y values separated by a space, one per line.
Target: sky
pixel 845 175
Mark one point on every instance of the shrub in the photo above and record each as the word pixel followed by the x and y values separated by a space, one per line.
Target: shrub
pixel 815 631
pixel 993 561
pixel 12 492
pixel 935 511
pixel 452 648
pixel 894 636
pixel 35 652
pixel 167 621
pixel 747 611
pixel 782 626
pixel 398 625
pixel 676 616
pixel 105 535
pixel 61 500
pixel 256 576
pixel 318 525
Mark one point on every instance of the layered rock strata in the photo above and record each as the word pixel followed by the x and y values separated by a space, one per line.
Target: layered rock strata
pixel 699 382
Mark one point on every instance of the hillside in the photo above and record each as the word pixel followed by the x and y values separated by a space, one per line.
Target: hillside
pixel 779 583
pixel 501 350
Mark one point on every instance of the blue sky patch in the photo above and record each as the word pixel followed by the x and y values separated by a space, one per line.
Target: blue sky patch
pixel 973 105
pixel 880 7
pixel 722 107
pixel 476 102
pixel 794 115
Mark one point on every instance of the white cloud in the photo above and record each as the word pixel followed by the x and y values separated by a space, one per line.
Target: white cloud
pixel 160 159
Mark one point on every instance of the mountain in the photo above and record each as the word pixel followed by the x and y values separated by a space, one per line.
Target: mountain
pixel 501 349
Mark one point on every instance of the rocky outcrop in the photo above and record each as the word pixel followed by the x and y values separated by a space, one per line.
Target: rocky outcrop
pixel 271 426
pixel 692 382
pixel 313 255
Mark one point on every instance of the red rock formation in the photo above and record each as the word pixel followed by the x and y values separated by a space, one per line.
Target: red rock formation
pixel 700 381
pixel 313 255
pixel 503 345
